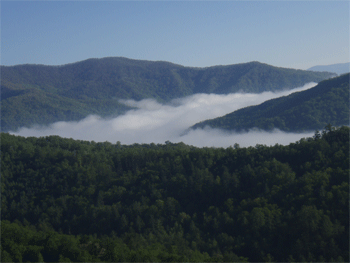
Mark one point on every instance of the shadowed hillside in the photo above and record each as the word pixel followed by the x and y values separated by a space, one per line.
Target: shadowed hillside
pixel 328 102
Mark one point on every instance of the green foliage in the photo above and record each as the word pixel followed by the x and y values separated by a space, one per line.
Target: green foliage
pixel 30 245
pixel 37 94
pixel 312 109
pixel 68 200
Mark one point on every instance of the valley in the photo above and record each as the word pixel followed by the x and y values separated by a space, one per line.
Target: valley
pixel 42 95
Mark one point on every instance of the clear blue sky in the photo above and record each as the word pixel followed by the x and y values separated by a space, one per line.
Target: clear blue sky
pixel 296 34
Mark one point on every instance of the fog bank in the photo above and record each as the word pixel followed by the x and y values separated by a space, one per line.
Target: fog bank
pixel 153 122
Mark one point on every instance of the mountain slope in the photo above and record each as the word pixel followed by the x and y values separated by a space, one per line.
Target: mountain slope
pixel 328 102
pixel 38 94
pixel 340 68
pixel 147 202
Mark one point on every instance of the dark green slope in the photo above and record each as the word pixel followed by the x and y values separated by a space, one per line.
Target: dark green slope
pixel 64 200
pixel 253 77
pixel 312 109
pixel 38 94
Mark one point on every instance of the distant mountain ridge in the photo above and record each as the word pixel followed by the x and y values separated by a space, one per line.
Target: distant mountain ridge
pixel 326 103
pixel 39 94
pixel 340 68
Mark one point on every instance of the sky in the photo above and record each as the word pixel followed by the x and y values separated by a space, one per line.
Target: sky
pixel 153 122
pixel 292 34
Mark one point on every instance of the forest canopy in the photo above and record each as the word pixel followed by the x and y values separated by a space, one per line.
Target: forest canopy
pixel 68 200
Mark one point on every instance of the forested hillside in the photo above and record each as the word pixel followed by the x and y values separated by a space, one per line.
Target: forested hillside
pixel 68 200
pixel 328 102
pixel 38 94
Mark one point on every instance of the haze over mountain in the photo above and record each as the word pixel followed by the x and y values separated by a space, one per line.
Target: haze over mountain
pixel 340 68
pixel 328 102
pixel 38 94
pixel 155 122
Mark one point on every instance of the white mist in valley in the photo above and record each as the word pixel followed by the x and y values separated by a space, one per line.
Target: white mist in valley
pixel 152 122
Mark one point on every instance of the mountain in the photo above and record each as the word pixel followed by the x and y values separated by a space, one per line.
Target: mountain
pixel 328 102
pixel 340 68
pixel 39 94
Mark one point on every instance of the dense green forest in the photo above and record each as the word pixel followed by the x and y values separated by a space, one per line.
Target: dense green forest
pixel 68 200
pixel 308 110
pixel 38 94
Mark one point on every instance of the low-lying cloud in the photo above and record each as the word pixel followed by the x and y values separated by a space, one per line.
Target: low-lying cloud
pixel 152 122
